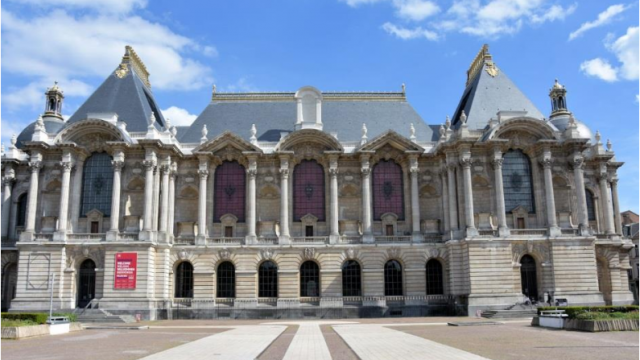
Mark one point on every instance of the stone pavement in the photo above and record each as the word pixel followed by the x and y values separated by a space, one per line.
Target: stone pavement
pixel 246 342
pixel 308 344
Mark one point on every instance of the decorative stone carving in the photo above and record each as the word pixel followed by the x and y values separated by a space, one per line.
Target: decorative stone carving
pixel 393 253
pixel 308 253
pixel 351 253
pixel 267 254
pixel 224 254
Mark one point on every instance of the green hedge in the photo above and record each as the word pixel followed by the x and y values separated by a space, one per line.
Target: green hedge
pixel 574 311
pixel 38 318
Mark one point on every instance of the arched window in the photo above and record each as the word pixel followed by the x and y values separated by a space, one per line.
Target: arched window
pixel 308 190
pixel 268 280
pixel 392 278
pixel 435 283
pixel 96 184
pixel 351 279
pixel 517 180
pixel 528 277
pixel 184 280
pixel 388 192
pixel 22 210
pixel 229 192
pixel 591 209
pixel 309 279
pixel 226 278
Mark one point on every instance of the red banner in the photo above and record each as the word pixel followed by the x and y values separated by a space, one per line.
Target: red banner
pixel 125 274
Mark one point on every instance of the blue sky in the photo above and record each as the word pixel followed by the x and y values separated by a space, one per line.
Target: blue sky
pixel 367 45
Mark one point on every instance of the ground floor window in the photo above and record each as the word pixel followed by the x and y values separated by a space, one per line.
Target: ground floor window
pixel 392 278
pixel 351 279
pixel 435 283
pixel 268 280
pixel 309 279
pixel 226 279
pixel 184 280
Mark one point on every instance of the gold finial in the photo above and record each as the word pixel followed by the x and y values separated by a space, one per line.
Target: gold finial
pixel 130 57
pixel 483 57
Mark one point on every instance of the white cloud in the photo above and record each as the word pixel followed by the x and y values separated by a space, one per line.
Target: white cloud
pixel 242 85
pixel 179 116
pixel 32 95
pixel 555 12
pixel 415 10
pixel 356 3
pixel 407 34
pixel 599 68
pixel 103 6
pixel 625 48
pixel 604 18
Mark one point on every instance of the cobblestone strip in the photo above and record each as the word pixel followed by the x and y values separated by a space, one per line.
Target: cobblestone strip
pixel 246 342
pixel 308 344
pixel 372 342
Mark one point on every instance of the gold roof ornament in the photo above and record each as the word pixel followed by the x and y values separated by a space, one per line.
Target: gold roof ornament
pixel 122 71
pixel 132 61
pixel 483 59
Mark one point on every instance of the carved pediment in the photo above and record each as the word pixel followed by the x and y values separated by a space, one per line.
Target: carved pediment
pixel 393 139
pixel 227 139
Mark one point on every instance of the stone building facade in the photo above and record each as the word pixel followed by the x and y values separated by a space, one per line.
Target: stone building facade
pixel 310 200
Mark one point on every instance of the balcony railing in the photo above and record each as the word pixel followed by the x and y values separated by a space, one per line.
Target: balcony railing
pixel 267 240
pixel 8 243
pixel 432 238
pixel 351 239
pixel 189 240
pixel 86 237
pixel 43 237
pixel 225 241
pixel 393 239
pixel 310 239
pixel 533 232
pixel 487 232
pixel 569 231
pixel 128 236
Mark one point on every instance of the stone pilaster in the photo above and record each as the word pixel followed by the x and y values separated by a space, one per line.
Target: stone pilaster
pixel 156 196
pixel 252 173
pixel 76 195
pixel 453 204
pixel 164 205
pixel 552 222
pixel 605 197
pixel 367 230
pixel 465 162
pixel 147 226
pixel 616 206
pixel 284 200
pixel 63 215
pixel 172 202
pixel 503 229
pixel 445 200
pixel 334 236
pixel 118 164
pixel 415 199
pixel 32 200
pixel 203 171
pixel 7 184
pixel 578 175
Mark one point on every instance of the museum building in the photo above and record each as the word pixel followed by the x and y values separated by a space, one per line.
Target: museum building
pixel 309 200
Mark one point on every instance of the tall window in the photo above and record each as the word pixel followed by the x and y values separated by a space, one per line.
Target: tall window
pixel 22 210
pixel 268 280
pixel 309 279
pixel 184 280
pixel 229 193
pixel 226 278
pixel 96 184
pixel 517 180
pixel 351 279
pixel 388 191
pixel 435 282
pixel 308 190
pixel 392 278
pixel 591 209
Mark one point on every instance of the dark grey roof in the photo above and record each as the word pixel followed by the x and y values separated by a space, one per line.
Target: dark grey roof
pixel 345 117
pixel 128 97
pixel 51 126
pixel 486 95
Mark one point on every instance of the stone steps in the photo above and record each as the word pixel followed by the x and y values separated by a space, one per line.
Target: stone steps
pixel 103 316
pixel 509 314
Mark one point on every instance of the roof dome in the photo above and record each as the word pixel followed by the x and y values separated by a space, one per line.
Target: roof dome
pixel 562 122
pixel 51 126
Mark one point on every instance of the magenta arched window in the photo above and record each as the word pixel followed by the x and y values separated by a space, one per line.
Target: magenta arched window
pixel 229 192
pixel 308 190
pixel 387 189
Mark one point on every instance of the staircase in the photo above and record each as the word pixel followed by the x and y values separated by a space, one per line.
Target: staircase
pixel 509 314
pixel 103 316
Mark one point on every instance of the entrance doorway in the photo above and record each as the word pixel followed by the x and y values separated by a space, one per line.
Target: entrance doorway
pixel 308 231
pixel 389 230
pixel 10 278
pixel 86 283
pixel 529 277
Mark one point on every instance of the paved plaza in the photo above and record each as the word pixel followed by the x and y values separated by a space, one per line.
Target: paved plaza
pixel 365 339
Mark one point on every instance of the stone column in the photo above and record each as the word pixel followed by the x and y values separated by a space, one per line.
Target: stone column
pixel 32 200
pixel 445 200
pixel 7 183
pixel 552 222
pixel 156 196
pixel 606 201
pixel 252 172
pixel 118 164
pixel 616 206
pixel 76 195
pixel 284 200
pixel 415 200
pixel 148 195
pixel 503 230
pixel 333 207
pixel 453 203
pixel 164 205
pixel 366 201
pixel 465 161
pixel 63 215
pixel 203 171
pixel 172 201
pixel 578 175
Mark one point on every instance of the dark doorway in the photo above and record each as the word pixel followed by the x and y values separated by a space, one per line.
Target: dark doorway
pixel 228 231
pixel 95 227
pixel 520 224
pixel 389 230
pixel 9 281
pixel 529 277
pixel 308 231
pixel 86 283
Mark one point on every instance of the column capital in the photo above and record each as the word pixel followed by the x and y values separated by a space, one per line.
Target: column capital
pixel 577 162
pixel 165 168
pixel 117 165
pixel 35 166
pixel 365 171
pixel 148 164
pixel 203 173
pixel 252 173
pixel 466 162
pixel 546 163
pixel 66 166
pixel 497 163
pixel 614 181
pixel 284 173
pixel 8 181
pixel 333 172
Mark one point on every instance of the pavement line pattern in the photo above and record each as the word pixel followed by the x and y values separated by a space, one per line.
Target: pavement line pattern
pixel 246 342
pixel 374 342
pixel 308 344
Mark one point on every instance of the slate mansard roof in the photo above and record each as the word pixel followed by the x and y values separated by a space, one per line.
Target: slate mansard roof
pixel 127 93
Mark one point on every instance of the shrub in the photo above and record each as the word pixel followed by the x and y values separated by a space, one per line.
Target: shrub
pixel 36 318
pixel 573 311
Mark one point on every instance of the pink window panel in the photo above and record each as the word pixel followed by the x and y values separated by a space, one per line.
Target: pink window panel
pixel 308 190
pixel 388 192
pixel 229 191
